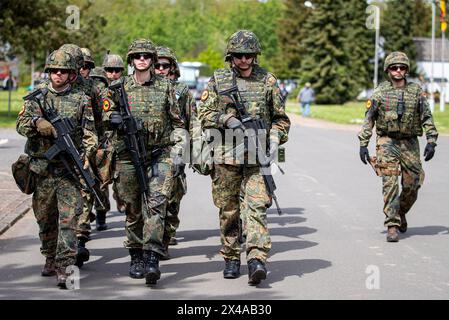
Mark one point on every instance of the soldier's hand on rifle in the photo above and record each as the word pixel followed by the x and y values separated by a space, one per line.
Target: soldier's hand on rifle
pixel 178 166
pixel 116 118
pixel 86 164
pixel 429 151
pixel 234 123
pixel 45 128
pixel 364 154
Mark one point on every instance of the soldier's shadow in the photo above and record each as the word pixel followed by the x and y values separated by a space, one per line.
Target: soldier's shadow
pixel 423 231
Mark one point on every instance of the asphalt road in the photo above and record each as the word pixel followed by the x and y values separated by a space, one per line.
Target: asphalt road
pixel 328 244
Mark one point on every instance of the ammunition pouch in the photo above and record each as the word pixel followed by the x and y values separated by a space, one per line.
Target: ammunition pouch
pixel 24 177
pixel 384 169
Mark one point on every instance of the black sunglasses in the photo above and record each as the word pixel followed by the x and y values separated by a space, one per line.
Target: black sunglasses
pixel 63 71
pixel 163 65
pixel 241 55
pixel 112 70
pixel 141 55
pixel 395 67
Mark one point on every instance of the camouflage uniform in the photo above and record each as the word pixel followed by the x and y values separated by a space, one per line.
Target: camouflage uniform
pixel 263 100
pixel 188 111
pixel 57 200
pixel 397 144
pixel 154 104
pixel 83 56
pixel 116 62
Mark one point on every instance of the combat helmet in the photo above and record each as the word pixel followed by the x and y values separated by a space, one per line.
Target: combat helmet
pixel 141 46
pixel 99 73
pixel 243 41
pixel 396 57
pixel 75 52
pixel 88 60
pixel 59 59
pixel 166 52
pixel 113 61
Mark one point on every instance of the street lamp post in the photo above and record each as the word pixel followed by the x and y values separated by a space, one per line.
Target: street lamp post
pixel 431 89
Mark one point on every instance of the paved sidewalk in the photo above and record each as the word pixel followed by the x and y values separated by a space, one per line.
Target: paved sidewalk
pixel 13 204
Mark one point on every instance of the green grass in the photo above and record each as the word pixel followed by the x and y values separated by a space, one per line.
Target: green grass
pixel 354 112
pixel 16 105
pixel 349 113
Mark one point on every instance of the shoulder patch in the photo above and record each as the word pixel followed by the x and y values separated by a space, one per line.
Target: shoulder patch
pixel 369 103
pixel 205 95
pixel 271 80
pixel 106 105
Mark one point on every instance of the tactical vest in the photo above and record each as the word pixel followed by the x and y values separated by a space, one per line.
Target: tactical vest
pixel 389 119
pixel 69 105
pixel 253 91
pixel 149 104
pixel 181 91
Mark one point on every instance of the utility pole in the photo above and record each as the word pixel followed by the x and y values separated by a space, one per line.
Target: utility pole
pixel 376 51
pixel 432 87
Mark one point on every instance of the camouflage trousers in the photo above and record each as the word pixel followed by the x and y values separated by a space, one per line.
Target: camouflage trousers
pixel 174 203
pixel 57 202
pixel 240 193
pixel 399 158
pixel 87 216
pixel 145 226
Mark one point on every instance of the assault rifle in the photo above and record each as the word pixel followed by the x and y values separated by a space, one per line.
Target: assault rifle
pixel 134 141
pixel 252 127
pixel 63 145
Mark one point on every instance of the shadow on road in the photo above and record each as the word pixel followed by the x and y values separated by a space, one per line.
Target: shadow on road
pixel 424 231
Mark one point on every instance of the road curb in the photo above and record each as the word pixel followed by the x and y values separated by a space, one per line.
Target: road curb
pixel 8 221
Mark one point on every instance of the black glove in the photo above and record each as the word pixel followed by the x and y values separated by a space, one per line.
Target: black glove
pixel 234 123
pixel 429 151
pixel 116 118
pixel 364 154
pixel 178 166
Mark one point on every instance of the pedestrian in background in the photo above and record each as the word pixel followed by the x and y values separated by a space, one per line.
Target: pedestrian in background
pixel 305 97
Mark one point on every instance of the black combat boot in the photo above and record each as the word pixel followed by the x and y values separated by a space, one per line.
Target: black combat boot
pixel 403 227
pixel 392 234
pixel 49 268
pixel 256 272
pixel 152 272
pixel 232 269
pixel 101 221
pixel 136 267
pixel 83 254
pixel 61 277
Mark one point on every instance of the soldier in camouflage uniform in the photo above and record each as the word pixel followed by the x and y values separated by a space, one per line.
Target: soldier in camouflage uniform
pixel 89 63
pixel 400 111
pixel 114 67
pixel 84 220
pixel 153 104
pixel 57 200
pixel 167 66
pixel 263 100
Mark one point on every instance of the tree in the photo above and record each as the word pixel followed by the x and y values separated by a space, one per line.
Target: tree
pixel 359 45
pixel 291 33
pixel 325 61
pixel 397 28
pixel 34 28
